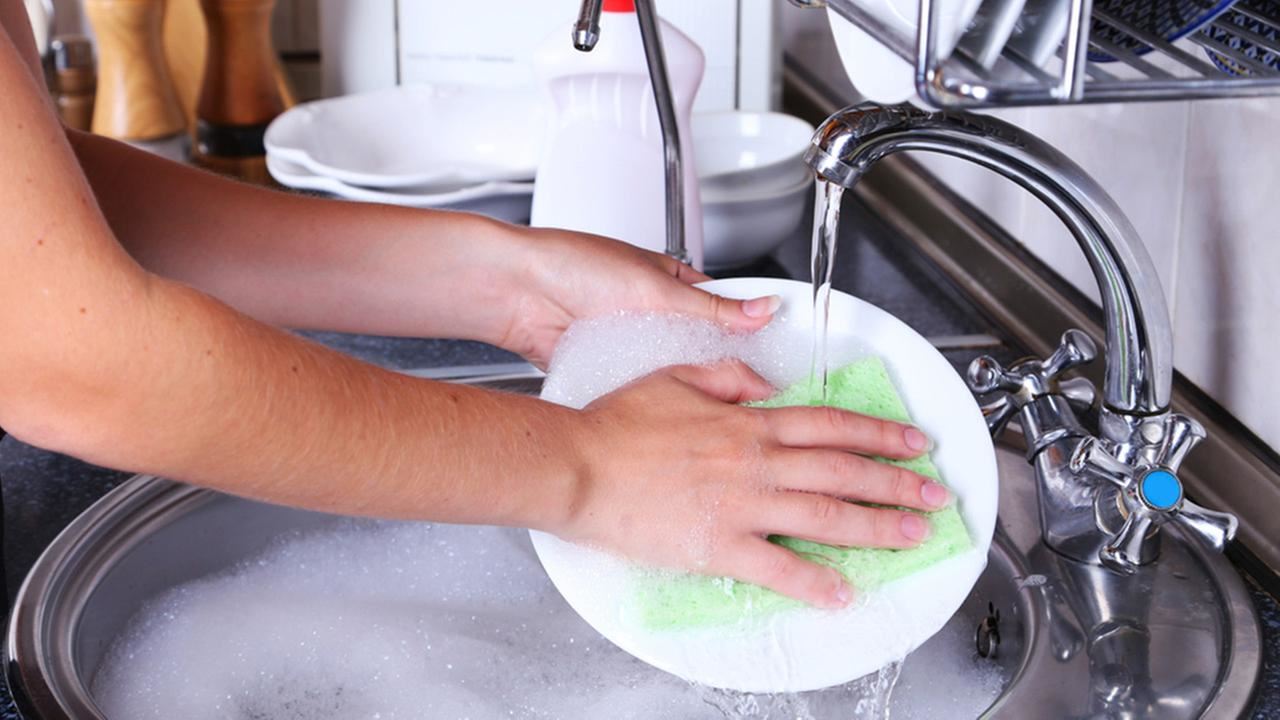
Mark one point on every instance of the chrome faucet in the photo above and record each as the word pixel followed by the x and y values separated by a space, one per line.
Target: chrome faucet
pixel 586 33
pixel 1101 497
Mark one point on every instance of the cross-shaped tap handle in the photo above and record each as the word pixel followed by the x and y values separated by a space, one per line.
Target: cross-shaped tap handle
pixel 1029 379
pixel 1152 494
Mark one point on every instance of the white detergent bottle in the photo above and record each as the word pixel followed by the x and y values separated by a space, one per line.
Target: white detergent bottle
pixel 601 169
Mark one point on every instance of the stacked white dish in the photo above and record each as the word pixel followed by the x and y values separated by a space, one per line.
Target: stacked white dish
pixel 425 146
pixel 477 149
pixel 754 184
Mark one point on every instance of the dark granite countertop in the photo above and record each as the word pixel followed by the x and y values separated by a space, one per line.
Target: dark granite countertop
pixel 42 491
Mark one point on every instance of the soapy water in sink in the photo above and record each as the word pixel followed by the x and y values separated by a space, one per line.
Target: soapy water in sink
pixel 404 620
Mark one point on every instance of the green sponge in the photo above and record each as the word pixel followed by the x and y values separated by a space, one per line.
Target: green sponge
pixel 673 602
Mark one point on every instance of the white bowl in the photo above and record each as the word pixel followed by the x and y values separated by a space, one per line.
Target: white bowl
pixel 424 136
pixel 810 649
pixel 509 201
pixel 737 229
pixel 749 152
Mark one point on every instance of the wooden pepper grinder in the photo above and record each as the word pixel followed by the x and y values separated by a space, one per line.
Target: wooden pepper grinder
pixel 135 100
pixel 240 95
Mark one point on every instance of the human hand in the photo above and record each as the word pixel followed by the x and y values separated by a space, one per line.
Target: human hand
pixel 574 275
pixel 680 475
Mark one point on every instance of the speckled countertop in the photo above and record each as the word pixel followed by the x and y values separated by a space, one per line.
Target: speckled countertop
pixel 43 492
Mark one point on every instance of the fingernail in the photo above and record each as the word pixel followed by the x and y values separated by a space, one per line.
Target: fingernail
pixel 916 440
pixel 762 306
pixel 935 495
pixel 844 593
pixel 916 528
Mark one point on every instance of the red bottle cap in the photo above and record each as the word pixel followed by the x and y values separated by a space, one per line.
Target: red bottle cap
pixel 619 6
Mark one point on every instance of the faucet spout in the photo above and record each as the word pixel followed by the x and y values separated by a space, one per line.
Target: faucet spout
pixel 1139 339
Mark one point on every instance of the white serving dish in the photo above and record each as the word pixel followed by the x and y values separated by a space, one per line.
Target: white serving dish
pixel 749 152
pixel 509 201
pixel 807 649
pixel 421 136
pixel 739 228
pixel 876 71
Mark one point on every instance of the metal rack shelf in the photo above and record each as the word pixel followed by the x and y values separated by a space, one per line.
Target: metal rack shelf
pixel 1142 67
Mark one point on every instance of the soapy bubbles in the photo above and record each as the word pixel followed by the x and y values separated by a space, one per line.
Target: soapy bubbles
pixel 402 620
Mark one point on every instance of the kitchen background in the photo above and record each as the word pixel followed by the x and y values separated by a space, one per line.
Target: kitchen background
pixel 1200 180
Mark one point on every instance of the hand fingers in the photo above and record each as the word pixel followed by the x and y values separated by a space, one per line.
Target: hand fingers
pixel 761 562
pixel 827 427
pixel 731 381
pixel 737 314
pixel 680 271
pixel 845 475
pixel 824 519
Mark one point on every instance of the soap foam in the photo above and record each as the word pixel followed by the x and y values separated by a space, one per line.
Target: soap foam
pixel 401 620
pixel 600 355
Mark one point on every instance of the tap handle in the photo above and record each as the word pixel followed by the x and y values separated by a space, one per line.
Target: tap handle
pixel 1075 348
pixel 1123 553
pixel 1181 435
pixel 1213 527
pixel 1151 493
pixel 986 375
pixel 1079 392
pixel 997 413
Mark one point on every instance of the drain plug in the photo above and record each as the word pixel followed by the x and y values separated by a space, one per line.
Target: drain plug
pixel 987 638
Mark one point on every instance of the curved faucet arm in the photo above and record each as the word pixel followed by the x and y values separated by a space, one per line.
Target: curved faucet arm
pixel 1139 342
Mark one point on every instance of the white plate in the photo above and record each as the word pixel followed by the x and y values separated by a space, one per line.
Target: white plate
pixel 508 201
pixel 809 649
pixel 423 136
pixel 876 71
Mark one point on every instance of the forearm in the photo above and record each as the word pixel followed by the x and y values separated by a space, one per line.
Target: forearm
pixel 191 390
pixel 305 262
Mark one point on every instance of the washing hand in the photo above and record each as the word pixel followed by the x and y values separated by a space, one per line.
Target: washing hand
pixel 575 275
pixel 680 475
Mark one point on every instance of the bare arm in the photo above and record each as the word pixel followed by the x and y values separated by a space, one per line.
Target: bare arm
pixel 304 262
pixel 108 362
pixel 123 368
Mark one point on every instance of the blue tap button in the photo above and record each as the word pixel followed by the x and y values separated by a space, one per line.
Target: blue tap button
pixel 1160 489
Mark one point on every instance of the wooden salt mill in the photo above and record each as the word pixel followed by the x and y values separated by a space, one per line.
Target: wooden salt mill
pixel 240 95
pixel 135 100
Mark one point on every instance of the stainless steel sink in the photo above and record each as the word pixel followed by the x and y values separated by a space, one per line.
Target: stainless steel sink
pixel 1178 640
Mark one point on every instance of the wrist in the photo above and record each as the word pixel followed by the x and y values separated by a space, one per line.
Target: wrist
pixel 501 259
pixel 563 503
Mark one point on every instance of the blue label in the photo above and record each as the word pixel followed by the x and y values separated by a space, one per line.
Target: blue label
pixel 1161 489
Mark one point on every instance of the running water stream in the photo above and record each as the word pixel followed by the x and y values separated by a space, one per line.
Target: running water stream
pixel 826 225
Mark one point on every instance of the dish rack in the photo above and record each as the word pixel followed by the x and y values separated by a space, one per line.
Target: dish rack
pixel 1104 57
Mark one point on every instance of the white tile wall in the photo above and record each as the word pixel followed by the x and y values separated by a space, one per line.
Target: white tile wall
pixel 1201 183
pixel 1227 328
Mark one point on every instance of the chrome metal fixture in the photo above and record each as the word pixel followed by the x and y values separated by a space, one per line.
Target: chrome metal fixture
pixel 586 33
pixel 1101 498
pixel 1171 70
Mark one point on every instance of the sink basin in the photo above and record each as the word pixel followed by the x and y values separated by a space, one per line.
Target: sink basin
pixel 1178 640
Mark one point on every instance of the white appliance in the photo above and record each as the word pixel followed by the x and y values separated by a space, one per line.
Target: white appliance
pixel 373 44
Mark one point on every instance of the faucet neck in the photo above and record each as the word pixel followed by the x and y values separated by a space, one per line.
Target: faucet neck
pixel 1139 342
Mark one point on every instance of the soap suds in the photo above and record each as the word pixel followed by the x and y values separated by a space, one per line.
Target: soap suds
pixel 397 620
